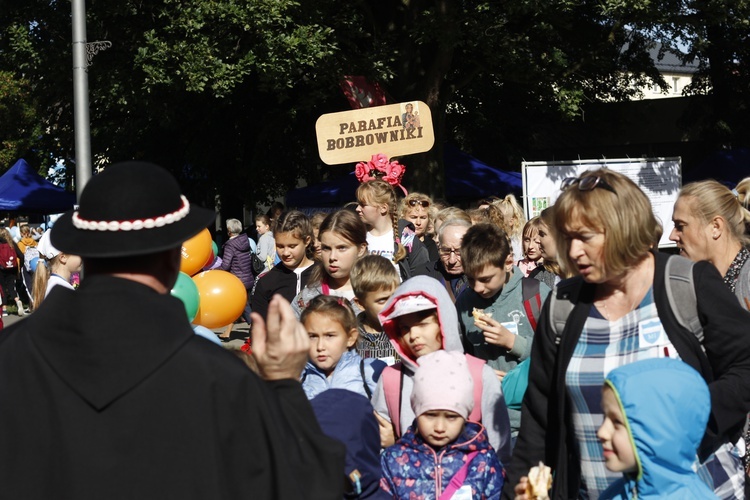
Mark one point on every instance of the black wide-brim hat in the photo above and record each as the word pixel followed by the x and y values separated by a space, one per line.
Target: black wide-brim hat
pixel 131 208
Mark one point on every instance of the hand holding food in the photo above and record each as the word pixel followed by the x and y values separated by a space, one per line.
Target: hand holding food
pixel 480 316
pixel 540 482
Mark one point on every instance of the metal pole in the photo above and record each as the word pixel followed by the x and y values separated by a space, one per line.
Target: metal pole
pixel 81 97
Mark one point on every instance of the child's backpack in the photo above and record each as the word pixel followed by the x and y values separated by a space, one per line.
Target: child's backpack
pixel 393 388
pixel 7 256
pixel 516 380
pixel 28 255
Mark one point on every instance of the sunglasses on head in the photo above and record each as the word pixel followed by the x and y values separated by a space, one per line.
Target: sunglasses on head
pixel 422 203
pixel 586 183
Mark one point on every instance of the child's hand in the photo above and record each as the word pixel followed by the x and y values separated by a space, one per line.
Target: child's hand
pixel 280 346
pixel 520 489
pixel 387 436
pixel 495 333
pixel 500 374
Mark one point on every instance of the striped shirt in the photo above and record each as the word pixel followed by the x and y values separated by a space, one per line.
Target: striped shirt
pixel 374 345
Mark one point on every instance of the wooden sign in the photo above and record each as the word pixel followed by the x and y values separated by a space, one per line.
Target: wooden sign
pixel 394 130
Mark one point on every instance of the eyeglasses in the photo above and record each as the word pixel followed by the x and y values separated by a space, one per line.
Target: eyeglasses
pixel 445 252
pixel 586 183
pixel 422 203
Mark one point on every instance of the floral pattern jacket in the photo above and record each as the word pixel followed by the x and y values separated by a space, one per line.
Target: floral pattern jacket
pixel 413 469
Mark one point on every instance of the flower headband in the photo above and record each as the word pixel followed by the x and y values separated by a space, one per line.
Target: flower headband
pixel 380 168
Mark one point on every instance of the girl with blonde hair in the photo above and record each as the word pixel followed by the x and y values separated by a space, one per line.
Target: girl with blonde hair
pixel 417 208
pixel 55 268
pixel 514 221
pixel 389 236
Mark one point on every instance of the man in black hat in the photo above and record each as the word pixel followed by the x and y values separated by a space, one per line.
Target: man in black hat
pixel 105 392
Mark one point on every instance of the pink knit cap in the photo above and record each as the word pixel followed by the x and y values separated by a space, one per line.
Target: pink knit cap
pixel 443 382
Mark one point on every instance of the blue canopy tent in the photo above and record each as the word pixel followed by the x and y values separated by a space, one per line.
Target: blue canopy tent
pixel 467 179
pixel 23 190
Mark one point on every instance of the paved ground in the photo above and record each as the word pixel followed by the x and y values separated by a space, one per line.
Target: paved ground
pixel 239 332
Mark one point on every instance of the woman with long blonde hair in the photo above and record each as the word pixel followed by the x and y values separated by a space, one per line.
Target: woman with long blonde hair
pixel 55 268
pixel 710 224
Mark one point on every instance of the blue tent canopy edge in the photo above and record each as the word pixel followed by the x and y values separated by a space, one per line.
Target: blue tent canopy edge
pixel 467 179
pixel 24 190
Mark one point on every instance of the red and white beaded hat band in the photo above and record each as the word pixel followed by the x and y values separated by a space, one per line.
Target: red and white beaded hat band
pixel 131 208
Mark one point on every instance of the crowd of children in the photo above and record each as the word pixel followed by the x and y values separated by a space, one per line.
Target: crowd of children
pixel 421 321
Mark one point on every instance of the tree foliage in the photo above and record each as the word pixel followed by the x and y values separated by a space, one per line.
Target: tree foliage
pixel 225 93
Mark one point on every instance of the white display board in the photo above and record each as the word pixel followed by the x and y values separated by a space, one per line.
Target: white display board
pixel 659 178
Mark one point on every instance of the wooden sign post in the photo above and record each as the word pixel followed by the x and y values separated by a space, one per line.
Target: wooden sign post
pixel 393 130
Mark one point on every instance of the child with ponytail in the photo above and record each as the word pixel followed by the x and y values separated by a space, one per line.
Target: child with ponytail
pixel 389 236
pixel 54 268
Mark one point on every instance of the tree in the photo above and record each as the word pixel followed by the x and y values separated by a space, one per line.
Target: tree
pixel 225 93
pixel 20 125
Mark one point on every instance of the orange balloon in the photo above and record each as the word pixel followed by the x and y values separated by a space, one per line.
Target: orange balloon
pixel 195 253
pixel 222 298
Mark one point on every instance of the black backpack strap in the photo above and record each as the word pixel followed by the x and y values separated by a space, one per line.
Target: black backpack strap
pixel 364 380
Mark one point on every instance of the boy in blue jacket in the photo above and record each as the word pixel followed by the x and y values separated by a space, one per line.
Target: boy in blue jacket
pixel 655 415
pixel 442 455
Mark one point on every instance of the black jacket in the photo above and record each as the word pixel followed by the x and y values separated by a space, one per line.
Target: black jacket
pixel 106 392
pixel 280 279
pixel 417 261
pixel 547 431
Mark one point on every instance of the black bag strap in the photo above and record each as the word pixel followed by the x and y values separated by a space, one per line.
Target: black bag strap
pixel 364 380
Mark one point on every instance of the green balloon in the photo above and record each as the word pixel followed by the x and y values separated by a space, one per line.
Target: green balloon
pixel 215 248
pixel 186 290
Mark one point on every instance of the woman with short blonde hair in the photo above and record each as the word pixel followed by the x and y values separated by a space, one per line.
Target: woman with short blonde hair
pixel 615 311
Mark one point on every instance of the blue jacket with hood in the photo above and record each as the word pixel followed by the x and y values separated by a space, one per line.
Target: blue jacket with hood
pixel 494 410
pixel 413 469
pixel 666 404
pixel 346 375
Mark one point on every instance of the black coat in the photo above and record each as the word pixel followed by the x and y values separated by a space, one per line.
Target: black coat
pixel 106 392
pixel 282 280
pixel 546 430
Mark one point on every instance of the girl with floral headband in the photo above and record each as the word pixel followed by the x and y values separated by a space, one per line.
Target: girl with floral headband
pixel 389 236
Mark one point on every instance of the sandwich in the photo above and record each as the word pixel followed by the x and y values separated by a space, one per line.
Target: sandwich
pixel 480 315
pixel 540 482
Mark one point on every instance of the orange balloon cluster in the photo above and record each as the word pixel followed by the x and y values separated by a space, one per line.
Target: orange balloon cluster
pixel 222 296
pixel 196 253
